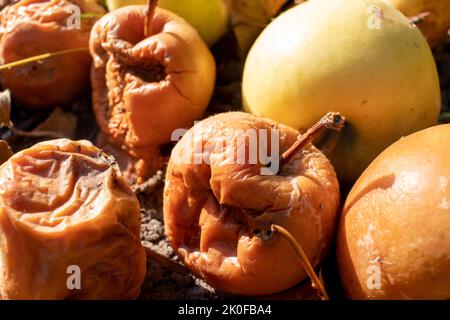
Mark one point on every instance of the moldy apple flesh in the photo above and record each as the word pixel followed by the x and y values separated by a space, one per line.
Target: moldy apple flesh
pixel 217 211
pixel 33 27
pixel 145 86
pixel 362 58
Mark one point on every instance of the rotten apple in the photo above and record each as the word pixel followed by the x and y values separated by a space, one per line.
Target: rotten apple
pixel 152 74
pixel 33 27
pixel 64 206
pixel 231 200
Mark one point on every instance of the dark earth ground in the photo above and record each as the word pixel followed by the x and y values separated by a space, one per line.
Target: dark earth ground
pixel 170 280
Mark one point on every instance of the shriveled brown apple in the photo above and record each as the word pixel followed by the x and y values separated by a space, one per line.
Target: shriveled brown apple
pixel 152 74
pixel 65 208
pixel 33 27
pixel 224 202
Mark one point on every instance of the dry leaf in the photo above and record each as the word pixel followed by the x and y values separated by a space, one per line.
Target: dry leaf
pixel 5 108
pixel 5 151
pixel 59 123
pixel 250 17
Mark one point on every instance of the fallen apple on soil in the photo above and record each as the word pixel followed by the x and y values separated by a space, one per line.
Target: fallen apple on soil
pixel 65 205
pixel 394 239
pixel 224 217
pixel 152 74
pixel 33 27
pixel 362 58
pixel 435 23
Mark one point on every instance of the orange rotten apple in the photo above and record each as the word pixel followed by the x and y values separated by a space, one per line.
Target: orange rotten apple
pixel 152 74
pixel 65 205
pixel 230 222
pixel 394 235
pixel 33 27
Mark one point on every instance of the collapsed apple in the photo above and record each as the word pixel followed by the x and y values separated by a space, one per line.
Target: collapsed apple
pixel 209 17
pixel 394 236
pixel 65 209
pixel 224 203
pixel 362 58
pixel 436 21
pixel 33 27
pixel 152 74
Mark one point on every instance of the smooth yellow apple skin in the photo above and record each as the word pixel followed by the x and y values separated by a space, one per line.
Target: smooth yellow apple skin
pixel 116 4
pixel 328 55
pixel 209 17
pixel 435 27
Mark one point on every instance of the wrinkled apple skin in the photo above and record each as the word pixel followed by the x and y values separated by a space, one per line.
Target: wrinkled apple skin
pixel 212 208
pixel 33 27
pixel 435 27
pixel 321 56
pixel 65 203
pixel 136 112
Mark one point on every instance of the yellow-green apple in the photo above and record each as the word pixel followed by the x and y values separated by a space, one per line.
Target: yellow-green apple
pixel 362 58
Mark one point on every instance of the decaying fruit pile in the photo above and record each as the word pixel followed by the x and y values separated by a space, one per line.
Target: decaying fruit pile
pixel 353 210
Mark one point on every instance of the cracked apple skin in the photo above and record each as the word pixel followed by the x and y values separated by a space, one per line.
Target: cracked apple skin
pixel 397 219
pixel 322 56
pixel 65 203
pixel 146 87
pixel 213 211
pixel 33 27
pixel 435 27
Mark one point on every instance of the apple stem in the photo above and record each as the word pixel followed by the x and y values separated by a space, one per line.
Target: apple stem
pixel 317 283
pixel 151 6
pixel 418 19
pixel 332 120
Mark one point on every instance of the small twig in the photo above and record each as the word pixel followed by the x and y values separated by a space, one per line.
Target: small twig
pixel 91 15
pixel 40 57
pixel 151 8
pixel 317 284
pixel 418 19
pixel 167 262
pixel 332 120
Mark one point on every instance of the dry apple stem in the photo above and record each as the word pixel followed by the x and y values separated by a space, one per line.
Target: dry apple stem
pixel 317 284
pixel 332 120
pixel 418 19
pixel 151 6
pixel 41 57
